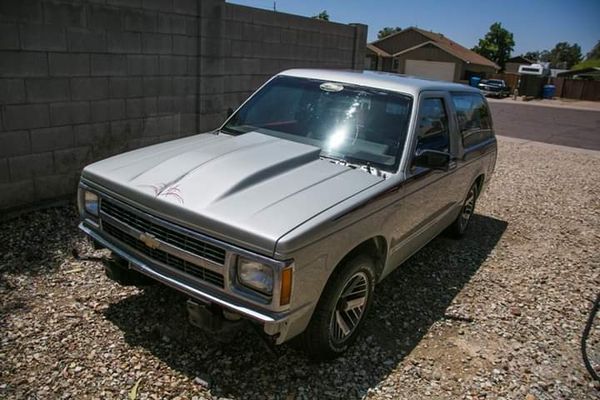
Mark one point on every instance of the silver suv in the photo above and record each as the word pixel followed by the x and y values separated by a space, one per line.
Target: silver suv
pixel 316 188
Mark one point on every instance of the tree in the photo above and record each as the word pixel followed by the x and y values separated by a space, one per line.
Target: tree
pixel 537 56
pixel 564 55
pixel 322 15
pixel 594 54
pixel 532 56
pixel 544 56
pixel 497 44
pixel 592 63
pixel 387 31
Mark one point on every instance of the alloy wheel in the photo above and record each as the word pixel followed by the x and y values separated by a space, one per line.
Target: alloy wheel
pixel 350 307
pixel 467 210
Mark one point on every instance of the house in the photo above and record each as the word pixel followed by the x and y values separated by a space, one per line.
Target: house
pixel 591 73
pixel 418 52
pixel 513 64
pixel 377 59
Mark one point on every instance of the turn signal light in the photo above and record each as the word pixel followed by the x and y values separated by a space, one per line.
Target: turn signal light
pixel 286 286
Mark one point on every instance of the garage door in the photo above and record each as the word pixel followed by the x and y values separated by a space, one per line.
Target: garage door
pixel 443 71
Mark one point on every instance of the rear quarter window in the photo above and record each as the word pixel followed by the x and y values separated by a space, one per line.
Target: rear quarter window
pixel 474 119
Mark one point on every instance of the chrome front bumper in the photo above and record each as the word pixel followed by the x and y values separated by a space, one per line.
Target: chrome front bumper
pixel 275 323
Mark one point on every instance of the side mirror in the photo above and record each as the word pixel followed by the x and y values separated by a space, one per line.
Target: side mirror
pixel 432 159
pixel 229 112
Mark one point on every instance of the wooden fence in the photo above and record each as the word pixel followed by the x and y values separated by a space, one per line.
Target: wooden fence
pixel 577 89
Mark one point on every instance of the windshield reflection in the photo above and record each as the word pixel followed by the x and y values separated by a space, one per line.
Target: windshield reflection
pixel 351 123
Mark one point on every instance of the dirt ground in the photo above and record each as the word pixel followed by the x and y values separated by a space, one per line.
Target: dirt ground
pixel 497 315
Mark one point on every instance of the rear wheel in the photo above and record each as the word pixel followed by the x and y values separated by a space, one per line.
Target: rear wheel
pixel 341 310
pixel 461 223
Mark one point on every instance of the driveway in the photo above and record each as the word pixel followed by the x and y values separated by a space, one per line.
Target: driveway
pixel 562 126
pixel 498 314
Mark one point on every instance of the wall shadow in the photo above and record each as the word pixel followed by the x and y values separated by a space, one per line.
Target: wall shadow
pixel 37 242
pixel 34 243
pixel 406 304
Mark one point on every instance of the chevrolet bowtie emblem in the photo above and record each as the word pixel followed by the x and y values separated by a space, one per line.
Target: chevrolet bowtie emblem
pixel 149 240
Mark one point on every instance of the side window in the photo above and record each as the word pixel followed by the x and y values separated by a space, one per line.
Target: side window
pixel 474 120
pixel 432 131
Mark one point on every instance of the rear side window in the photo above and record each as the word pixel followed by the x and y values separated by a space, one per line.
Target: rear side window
pixel 474 120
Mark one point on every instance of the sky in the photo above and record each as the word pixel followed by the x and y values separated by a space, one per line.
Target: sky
pixel 535 24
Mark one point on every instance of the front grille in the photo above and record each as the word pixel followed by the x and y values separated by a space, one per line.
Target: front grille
pixel 174 238
pixel 165 258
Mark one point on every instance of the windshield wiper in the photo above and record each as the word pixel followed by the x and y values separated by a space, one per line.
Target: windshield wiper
pixel 347 160
pixel 337 159
pixel 355 163
pixel 228 131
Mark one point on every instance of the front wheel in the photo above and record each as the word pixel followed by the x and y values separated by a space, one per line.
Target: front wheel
pixel 461 223
pixel 341 310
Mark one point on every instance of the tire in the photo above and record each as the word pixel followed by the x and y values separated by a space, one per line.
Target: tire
pixel 334 326
pixel 458 228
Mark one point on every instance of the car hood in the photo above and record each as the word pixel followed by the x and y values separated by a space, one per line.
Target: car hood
pixel 248 190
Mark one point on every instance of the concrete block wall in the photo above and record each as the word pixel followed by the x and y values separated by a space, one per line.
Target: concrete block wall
pixel 83 80
pixel 260 43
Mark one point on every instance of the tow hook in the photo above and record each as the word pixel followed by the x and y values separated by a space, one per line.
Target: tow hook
pixel 220 323
pixel 223 324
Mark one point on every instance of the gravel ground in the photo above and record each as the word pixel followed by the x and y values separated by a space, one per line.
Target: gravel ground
pixel 498 314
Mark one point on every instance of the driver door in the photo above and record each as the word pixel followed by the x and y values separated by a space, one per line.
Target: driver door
pixel 428 197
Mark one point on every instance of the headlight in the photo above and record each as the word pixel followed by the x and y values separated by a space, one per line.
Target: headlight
pixel 90 203
pixel 255 275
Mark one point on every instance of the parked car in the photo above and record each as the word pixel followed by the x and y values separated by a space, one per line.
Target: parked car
pixel 310 193
pixel 494 88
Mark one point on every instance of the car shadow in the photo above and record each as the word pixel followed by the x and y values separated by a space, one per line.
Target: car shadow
pixel 406 304
pixel 36 243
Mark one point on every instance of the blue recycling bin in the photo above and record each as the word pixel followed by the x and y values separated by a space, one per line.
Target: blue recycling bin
pixel 475 81
pixel 548 91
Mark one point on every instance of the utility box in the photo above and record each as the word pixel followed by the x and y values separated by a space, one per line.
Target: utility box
pixel 532 85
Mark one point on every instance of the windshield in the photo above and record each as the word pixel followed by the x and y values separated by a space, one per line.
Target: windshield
pixel 351 123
